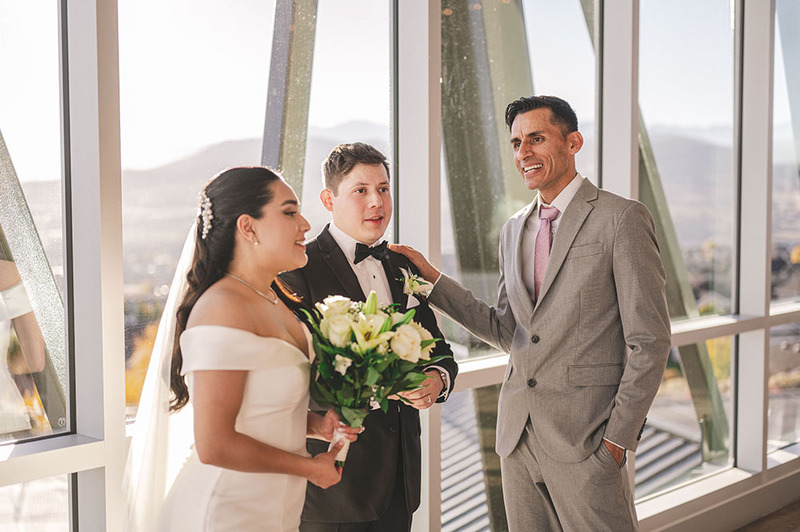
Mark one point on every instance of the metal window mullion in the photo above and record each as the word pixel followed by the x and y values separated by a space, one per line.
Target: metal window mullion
pixel 95 291
pixel 619 104
pixel 283 145
pixel 758 35
pixel 417 123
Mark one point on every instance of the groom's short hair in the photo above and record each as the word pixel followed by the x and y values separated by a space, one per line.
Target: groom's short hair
pixel 343 158
pixel 561 112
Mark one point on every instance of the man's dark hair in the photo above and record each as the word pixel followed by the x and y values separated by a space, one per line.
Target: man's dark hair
pixel 561 112
pixel 341 160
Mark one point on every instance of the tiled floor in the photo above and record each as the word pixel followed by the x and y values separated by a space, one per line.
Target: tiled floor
pixel 785 520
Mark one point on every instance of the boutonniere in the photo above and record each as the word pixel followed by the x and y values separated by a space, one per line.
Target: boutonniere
pixel 414 285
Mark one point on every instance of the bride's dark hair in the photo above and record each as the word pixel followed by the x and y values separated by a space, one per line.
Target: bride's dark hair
pixel 231 193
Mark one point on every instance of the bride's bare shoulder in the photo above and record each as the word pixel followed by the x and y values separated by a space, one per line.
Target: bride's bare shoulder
pixel 223 304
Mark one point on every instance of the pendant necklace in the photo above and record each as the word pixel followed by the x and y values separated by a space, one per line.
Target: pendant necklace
pixel 273 300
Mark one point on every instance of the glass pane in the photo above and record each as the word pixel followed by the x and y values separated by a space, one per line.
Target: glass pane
pixel 188 111
pixel 32 348
pixel 688 429
pixel 348 103
pixel 786 155
pixel 491 56
pixel 784 386
pixel 687 176
pixel 41 505
pixel 472 497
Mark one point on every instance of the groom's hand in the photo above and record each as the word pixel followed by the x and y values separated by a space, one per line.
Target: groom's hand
pixel 427 393
pixel 426 269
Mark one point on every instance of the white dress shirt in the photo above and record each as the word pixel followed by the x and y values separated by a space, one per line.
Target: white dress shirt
pixel 370 272
pixel 561 202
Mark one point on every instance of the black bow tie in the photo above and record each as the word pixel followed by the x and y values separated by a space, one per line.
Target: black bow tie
pixel 364 251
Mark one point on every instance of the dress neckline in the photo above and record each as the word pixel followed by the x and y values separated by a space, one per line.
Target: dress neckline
pixel 251 333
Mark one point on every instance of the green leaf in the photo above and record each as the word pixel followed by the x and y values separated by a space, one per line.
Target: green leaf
pixel 372 377
pixel 326 370
pixel 407 317
pixel 322 395
pixel 426 343
pixel 405 366
pixel 353 417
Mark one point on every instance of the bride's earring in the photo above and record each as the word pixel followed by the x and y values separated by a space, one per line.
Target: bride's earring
pixel 255 241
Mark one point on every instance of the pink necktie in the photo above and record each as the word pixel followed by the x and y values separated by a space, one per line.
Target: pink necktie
pixel 544 239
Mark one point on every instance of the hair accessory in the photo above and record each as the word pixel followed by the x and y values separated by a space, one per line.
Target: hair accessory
pixel 205 213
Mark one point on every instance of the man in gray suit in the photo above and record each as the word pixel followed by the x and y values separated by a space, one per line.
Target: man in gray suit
pixel 581 308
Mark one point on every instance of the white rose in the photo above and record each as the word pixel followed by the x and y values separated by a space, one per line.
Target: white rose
pixel 333 305
pixel 337 329
pixel 342 363
pixel 405 343
pixel 424 334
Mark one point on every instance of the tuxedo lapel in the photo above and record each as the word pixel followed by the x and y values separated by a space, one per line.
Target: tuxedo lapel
pixel 334 257
pixel 572 221
pixel 395 278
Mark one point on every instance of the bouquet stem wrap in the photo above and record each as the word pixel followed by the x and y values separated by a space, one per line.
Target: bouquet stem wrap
pixel 341 456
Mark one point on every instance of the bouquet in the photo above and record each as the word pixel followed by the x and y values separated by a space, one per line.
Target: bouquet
pixel 364 355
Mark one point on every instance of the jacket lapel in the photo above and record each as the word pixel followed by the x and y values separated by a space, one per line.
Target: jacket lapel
pixel 334 257
pixel 515 286
pixel 395 278
pixel 576 213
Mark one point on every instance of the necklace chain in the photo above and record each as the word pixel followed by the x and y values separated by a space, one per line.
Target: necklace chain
pixel 273 300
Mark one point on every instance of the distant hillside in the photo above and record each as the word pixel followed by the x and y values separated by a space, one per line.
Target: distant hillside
pixel 159 204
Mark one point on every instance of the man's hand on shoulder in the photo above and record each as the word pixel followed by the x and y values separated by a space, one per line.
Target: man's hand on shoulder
pixel 426 269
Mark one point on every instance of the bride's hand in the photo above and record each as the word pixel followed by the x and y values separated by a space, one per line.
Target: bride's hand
pixel 322 427
pixel 324 472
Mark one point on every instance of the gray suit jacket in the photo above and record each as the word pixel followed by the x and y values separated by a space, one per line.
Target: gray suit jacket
pixel 587 357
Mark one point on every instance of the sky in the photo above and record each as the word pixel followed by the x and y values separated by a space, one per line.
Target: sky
pixel 195 73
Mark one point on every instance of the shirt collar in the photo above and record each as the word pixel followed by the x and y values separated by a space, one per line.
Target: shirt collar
pixel 346 242
pixel 564 198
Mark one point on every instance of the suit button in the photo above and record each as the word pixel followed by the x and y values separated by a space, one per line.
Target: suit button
pixel 392 428
pixel 531 383
pixel 535 338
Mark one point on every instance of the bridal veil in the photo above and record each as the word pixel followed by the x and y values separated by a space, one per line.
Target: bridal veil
pixel 161 441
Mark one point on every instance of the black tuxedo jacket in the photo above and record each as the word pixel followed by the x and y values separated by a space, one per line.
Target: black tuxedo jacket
pixel 369 475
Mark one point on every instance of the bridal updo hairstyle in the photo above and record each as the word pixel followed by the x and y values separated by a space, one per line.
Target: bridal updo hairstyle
pixel 231 193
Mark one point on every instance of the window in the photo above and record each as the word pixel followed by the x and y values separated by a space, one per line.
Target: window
pixel 37 505
pixel 33 363
pixel 350 93
pixel 686 148
pixel 187 112
pixel 492 54
pixel 786 158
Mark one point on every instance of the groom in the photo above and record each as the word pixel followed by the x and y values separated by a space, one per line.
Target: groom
pixel 380 486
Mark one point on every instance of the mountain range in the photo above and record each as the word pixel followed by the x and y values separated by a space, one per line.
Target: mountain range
pixel 159 204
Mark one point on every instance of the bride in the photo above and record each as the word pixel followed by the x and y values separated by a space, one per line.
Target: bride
pixel 240 360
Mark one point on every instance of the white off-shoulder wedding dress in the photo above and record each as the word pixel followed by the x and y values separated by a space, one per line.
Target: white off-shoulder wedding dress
pixel 274 411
